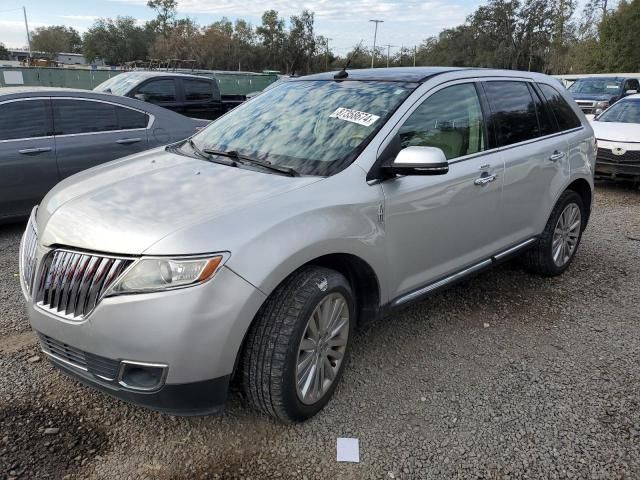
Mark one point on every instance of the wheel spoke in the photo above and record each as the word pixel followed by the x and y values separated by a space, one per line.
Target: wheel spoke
pixel 337 342
pixel 574 226
pixel 305 383
pixel 304 365
pixel 329 368
pixel 313 326
pixel 337 354
pixel 557 252
pixel 308 345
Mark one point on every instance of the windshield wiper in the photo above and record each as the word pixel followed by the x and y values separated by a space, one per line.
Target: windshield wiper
pixel 207 155
pixel 252 161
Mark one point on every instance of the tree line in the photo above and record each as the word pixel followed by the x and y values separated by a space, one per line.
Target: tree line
pixel 549 36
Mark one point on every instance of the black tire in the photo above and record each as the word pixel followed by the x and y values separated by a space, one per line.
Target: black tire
pixel 539 258
pixel 268 364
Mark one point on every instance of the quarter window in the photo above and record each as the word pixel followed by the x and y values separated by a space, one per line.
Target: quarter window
pixel 23 119
pixel 450 119
pixel 565 116
pixel 129 119
pixel 513 112
pixel 159 91
pixel 197 90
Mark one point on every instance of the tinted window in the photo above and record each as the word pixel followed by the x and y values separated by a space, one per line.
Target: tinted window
pixel 546 121
pixel 159 90
pixel 565 116
pixel 128 118
pixel 25 119
pixel 625 111
pixel 513 112
pixel 80 116
pixel 197 90
pixel 450 119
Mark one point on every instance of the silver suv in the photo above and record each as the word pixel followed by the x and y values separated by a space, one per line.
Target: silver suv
pixel 253 250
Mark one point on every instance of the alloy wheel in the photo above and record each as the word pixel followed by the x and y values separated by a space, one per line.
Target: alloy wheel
pixel 566 235
pixel 322 348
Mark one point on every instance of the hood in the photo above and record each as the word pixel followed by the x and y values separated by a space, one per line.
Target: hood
pixel 600 97
pixel 617 132
pixel 128 205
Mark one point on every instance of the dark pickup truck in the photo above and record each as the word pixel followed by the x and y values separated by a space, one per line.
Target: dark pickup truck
pixel 191 95
pixel 595 94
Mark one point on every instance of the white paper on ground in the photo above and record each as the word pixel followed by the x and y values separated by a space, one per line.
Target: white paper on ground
pixel 348 450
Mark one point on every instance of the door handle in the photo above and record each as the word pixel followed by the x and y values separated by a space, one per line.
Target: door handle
pixel 556 156
pixel 26 151
pixel 485 179
pixel 127 141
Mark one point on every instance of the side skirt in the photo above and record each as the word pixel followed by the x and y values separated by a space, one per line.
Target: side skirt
pixel 450 280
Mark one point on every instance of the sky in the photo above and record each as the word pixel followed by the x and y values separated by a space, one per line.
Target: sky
pixel 345 22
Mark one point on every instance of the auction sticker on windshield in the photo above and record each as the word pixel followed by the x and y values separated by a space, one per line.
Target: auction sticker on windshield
pixel 354 116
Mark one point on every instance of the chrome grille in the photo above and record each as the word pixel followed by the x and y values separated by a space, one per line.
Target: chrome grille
pixel 102 367
pixel 70 284
pixel 28 255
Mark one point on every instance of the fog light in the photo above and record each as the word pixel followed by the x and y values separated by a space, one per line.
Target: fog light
pixel 142 376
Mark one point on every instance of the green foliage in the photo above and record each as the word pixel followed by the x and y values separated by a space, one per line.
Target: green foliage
pixel 116 41
pixel 56 39
pixel 4 53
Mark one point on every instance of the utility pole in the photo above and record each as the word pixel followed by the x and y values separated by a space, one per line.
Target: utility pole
pixel 388 50
pixel 326 55
pixel 26 26
pixel 414 55
pixel 375 35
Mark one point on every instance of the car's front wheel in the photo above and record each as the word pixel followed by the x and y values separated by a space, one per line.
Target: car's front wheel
pixel 298 345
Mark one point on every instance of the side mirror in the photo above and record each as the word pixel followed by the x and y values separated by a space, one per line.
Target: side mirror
pixel 142 96
pixel 419 161
pixel 630 92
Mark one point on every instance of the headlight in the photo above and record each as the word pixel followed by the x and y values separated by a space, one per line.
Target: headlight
pixel 154 274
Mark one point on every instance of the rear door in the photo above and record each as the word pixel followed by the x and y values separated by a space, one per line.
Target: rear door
pixel 28 166
pixel 199 98
pixel 90 132
pixel 535 156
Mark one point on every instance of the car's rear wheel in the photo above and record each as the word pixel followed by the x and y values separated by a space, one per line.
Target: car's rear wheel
pixel 298 345
pixel 553 252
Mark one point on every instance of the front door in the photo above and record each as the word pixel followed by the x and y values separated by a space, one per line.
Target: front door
pixel 28 168
pixel 438 225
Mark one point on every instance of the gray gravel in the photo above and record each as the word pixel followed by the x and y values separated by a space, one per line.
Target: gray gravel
pixel 506 376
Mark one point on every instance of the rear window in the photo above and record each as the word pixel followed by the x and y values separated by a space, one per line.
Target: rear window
pixel 23 119
pixel 513 112
pixel 197 90
pixel 565 116
pixel 82 116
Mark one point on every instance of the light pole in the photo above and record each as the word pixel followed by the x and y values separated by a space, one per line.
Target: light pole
pixel 326 55
pixel 26 26
pixel 388 51
pixel 375 35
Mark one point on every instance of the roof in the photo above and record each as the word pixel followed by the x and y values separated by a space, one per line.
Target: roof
pixel 394 74
pixel 154 73
pixel 40 90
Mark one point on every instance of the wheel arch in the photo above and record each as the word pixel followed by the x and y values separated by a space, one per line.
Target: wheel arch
pixel 583 188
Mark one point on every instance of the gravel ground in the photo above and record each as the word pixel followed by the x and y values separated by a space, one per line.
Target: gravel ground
pixel 506 376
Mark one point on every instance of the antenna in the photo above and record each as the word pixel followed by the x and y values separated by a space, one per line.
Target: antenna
pixel 343 73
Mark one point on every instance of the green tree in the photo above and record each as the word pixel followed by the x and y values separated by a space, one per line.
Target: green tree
pixel 56 39
pixel 166 11
pixel 4 53
pixel 618 34
pixel 117 41
pixel 273 37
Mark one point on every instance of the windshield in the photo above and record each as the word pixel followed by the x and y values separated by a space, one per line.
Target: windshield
pixel 596 86
pixel 624 112
pixel 314 127
pixel 120 84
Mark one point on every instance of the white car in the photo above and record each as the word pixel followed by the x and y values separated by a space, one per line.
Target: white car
pixel 617 131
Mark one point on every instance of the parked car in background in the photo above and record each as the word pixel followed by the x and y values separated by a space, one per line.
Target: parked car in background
pixel 617 130
pixel 47 134
pixel 280 81
pixel 191 95
pixel 595 94
pixel 257 247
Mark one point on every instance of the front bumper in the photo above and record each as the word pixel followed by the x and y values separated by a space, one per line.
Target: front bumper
pixel 621 166
pixel 195 332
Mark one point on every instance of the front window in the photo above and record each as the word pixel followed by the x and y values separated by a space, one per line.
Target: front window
pixel 315 127
pixel 623 112
pixel 596 86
